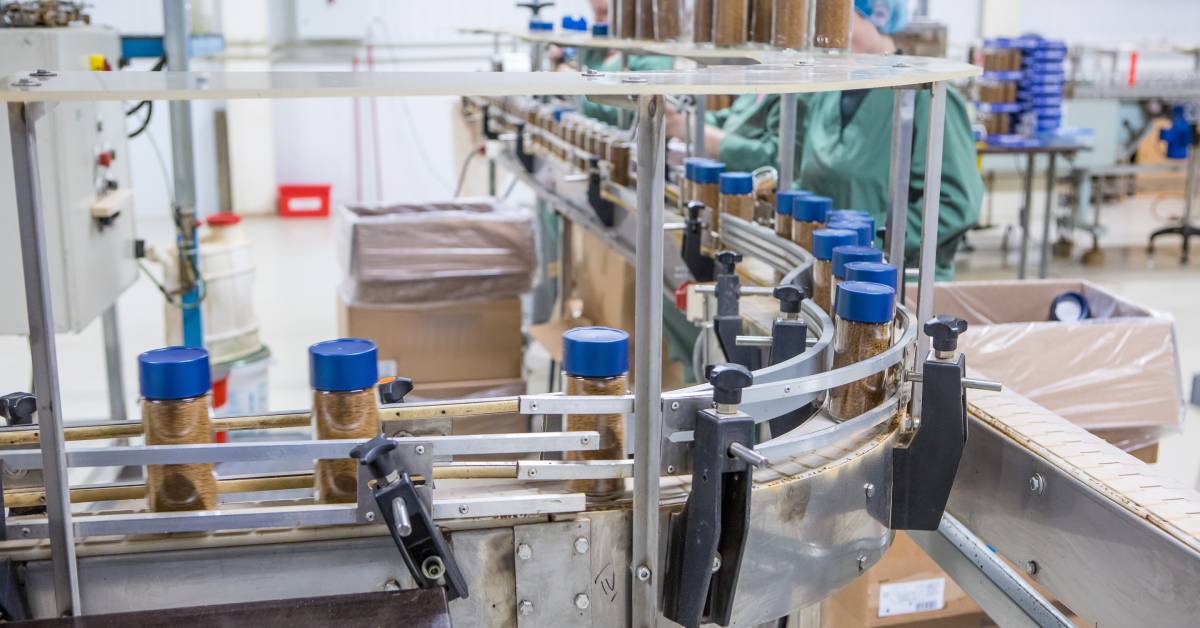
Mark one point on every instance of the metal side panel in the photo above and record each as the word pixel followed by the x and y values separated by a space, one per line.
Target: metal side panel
pixel 553 569
pixel 486 560
pixel 1111 540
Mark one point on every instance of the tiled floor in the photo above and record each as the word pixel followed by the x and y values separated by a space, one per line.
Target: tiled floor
pixel 297 283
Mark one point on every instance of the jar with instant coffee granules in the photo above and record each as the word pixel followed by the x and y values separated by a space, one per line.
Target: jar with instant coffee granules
pixel 175 382
pixel 596 362
pixel 343 374
pixel 863 330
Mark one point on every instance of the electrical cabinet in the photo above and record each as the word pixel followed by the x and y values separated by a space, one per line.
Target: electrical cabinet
pixel 83 163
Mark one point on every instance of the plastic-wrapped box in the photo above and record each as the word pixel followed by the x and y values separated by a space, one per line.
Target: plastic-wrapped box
pixel 470 249
pixel 1116 370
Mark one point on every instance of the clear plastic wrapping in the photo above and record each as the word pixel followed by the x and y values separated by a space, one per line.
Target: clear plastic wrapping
pixel 1118 369
pixel 466 249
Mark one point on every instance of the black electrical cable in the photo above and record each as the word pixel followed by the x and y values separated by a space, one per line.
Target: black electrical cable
pixel 148 105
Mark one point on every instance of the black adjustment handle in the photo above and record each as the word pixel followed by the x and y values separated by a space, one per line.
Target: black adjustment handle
pixel 18 408
pixel 944 331
pixel 727 381
pixel 693 210
pixel 728 261
pixel 535 7
pixel 790 297
pixel 375 455
pixel 394 390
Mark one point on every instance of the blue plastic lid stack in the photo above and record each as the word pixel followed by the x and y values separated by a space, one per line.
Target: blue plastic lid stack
pixel 863 302
pixel 576 24
pixel 1040 90
pixel 174 373
pixel 872 272
pixel 843 255
pixel 826 240
pixel 786 200
pixel 813 208
pixel 736 183
pixel 595 352
pixel 343 365
pixel 709 171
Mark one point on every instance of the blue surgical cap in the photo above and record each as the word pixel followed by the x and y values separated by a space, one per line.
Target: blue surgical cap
pixel 888 16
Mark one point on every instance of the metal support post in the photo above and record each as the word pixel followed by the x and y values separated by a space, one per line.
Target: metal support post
pixel 1026 210
pixel 21 120
pixel 651 145
pixel 175 43
pixel 112 364
pixel 1044 260
pixel 699 110
pixel 903 105
pixel 787 140
pixel 929 226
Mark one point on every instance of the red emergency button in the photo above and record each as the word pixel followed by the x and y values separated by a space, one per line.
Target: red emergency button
pixel 106 158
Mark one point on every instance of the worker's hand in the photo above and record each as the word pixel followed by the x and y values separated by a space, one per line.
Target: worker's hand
pixel 675 122
pixel 865 38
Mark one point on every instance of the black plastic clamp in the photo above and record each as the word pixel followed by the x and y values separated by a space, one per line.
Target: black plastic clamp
pixel 700 265
pixel 728 321
pixel 605 209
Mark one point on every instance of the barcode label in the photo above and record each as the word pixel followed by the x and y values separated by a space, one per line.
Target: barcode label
pixel 915 596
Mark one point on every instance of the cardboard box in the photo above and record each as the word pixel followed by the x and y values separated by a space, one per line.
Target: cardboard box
pixel 1118 369
pixel 441 342
pixel 604 282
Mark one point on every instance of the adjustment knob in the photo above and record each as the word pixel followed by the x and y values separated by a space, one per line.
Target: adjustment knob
pixel 790 297
pixel 393 389
pixel 374 454
pixel 693 210
pixel 727 381
pixel 728 261
pixel 944 331
pixel 18 408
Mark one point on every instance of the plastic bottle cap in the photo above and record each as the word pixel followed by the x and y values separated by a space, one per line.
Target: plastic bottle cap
pixel 174 373
pixel 736 183
pixel 850 213
pixel 813 208
pixel 873 272
pixel 843 255
pixel 600 30
pixel 691 165
pixel 223 219
pixel 826 240
pixel 865 302
pixel 785 201
pixel 709 172
pixel 865 231
pixel 341 365
pixel 595 352
pixel 536 25
pixel 1069 306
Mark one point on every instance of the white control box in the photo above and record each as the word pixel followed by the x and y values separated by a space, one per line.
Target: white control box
pixel 89 224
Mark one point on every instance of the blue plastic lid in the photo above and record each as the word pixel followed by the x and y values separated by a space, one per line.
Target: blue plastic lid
pixel 851 213
pixel 343 364
pixel 1069 306
pixel 559 111
pixel 873 272
pixel 813 208
pixel 826 240
pixel 785 200
pixel 843 255
pixel 600 29
pixel 570 23
pixel 595 352
pixel 691 165
pixel 709 171
pixel 863 228
pixel 537 25
pixel 736 183
pixel 865 302
pixel 174 373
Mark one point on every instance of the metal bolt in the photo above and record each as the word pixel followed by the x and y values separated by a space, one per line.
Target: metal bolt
pixel 716 564
pixel 1031 567
pixel 26 82
pixel 582 602
pixel 592 73
pixel 1037 484
pixel 525 608
pixel 531 472
pixel 463 509
pixel 533 405
pixel 26 532
pixel 433 568
pixel 581 545
pixel 420 450
pixel 583 440
pixel 670 468
pixel 787 390
pixel 870 490
pixel 524 552
pixel 370 516
pixel 862 562
pixel 643 573
pixel 635 79
pixel 674 405
pixel 43 73
pixel 391 585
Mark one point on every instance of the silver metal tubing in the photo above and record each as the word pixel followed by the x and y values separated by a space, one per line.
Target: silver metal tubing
pixel 112 364
pixel 651 145
pixel 52 457
pixel 903 110
pixel 574 470
pixel 576 404
pixel 1006 597
pixel 967 382
pixel 929 225
pixel 699 110
pixel 1026 210
pixel 787 140
pixel 794 444
pixel 744 291
pixel 747 455
pixel 303 449
pixel 1044 258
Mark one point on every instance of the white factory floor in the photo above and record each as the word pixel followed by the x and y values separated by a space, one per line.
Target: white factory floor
pixel 298 274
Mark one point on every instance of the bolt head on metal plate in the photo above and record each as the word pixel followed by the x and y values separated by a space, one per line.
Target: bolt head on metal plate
pixel 674 405
pixel 642 573
pixel 370 516
pixel 524 552
pixel 716 563
pixel 420 450
pixel 862 562
pixel 463 509
pixel 1031 567
pixel 525 608
pixel 581 545
pixel 1037 484
pixel 869 489
pixel 582 602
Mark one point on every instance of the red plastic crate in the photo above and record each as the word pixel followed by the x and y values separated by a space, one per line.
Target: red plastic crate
pixel 303 200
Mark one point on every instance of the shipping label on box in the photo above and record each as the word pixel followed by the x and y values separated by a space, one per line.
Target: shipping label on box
pixel 915 596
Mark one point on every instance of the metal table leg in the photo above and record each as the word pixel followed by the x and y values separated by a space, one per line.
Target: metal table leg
pixel 647 405
pixel 929 227
pixel 112 365
pixel 787 140
pixel 896 231
pixel 1044 261
pixel 21 119
pixel 1026 209
pixel 698 124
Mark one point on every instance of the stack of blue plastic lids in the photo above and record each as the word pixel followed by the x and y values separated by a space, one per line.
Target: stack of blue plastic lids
pixel 1040 90
pixel 1000 43
pixel 574 24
